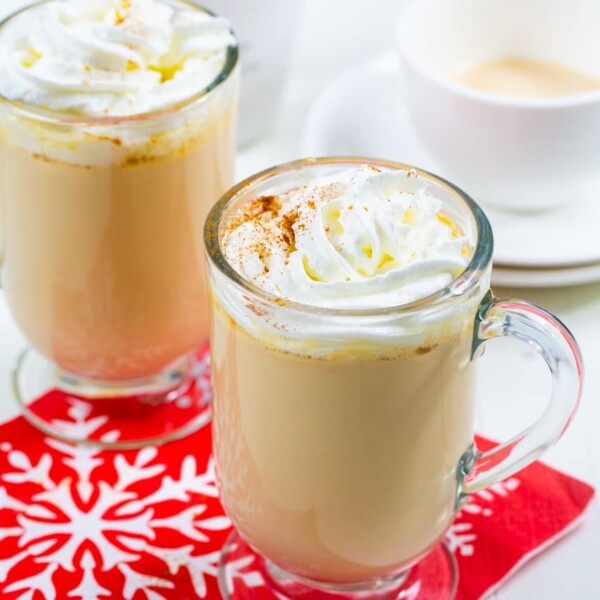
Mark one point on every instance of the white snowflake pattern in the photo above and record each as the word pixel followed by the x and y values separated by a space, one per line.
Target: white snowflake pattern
pixel 238 569
pixel 203 383
pixel 461 537
pixel 79 525
pixel 87 527
pixel 89 588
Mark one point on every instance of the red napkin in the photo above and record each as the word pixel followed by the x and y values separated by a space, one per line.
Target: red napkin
pixel 79 523
pixel 501 528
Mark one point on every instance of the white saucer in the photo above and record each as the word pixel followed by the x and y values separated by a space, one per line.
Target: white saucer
pixel 362 113
pixel 545 278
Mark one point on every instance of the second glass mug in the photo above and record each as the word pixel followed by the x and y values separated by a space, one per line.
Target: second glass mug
pixel 101 258
pixel 344 466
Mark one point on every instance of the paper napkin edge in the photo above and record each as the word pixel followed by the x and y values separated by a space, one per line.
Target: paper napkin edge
pixel 562 533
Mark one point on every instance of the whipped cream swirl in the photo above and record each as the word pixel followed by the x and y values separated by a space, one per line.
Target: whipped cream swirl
pixel 110 57
pixel 360 239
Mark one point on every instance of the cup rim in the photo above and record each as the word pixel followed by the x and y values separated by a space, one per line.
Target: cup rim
pixel 489 98
pixel 461 286
pixel 64 118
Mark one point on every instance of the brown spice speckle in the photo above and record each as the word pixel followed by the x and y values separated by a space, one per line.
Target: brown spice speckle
pixel 264 204
pixel 288 235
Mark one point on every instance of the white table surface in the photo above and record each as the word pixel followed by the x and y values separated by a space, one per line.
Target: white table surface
pixel 335 35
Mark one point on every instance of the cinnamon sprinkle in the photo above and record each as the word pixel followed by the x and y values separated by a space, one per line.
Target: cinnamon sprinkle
pixel 288 236
pixel 262 205
pixel 261 208
pixel 272 224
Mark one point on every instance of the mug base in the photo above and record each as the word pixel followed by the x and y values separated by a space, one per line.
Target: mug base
pixel 161 409
pixel 245 575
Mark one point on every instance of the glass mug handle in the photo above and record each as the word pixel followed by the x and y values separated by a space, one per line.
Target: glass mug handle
pixel 1 238
pixel 553 341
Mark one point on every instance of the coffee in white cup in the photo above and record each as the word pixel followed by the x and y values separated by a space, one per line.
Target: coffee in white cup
pixel 526 78
pixel 522 152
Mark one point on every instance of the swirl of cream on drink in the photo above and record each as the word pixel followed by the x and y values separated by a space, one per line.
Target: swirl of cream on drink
pixel 362 239
pixel 101 58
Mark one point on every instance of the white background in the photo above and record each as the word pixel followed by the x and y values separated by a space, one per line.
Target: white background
pixel 333 36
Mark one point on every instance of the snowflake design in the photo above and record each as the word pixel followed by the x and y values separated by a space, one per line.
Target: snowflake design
pixel 89 518
pixel 238 570
pixel 461 537
pixel 201 373
pixel 78 522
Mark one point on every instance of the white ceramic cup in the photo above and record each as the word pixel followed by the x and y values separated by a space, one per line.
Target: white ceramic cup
pixel 523 154
pixel 266 31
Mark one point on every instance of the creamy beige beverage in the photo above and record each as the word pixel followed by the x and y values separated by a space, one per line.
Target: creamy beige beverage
pixel 105 193
pixel 337 439
pixel 340 469
pixel 527 78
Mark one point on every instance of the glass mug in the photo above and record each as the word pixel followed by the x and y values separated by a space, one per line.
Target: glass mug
pixel 101 257
pixel 343 461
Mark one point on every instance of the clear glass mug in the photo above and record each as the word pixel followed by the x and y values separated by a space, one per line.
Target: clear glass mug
pixel 101 256
pixel 343 439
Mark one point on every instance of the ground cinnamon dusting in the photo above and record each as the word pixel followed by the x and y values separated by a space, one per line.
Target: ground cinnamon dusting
pixel 262 207
pixel 264 204
pixel 288 236
pixel 269 225
pixel 263 251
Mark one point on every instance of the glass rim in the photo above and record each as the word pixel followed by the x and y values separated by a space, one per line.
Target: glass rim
pixel 461 286
pixel 65 118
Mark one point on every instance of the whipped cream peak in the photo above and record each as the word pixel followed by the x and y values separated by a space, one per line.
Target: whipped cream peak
pixel 111 57
pixel 363 238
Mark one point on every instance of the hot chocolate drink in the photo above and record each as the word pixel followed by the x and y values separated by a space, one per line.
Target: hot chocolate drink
pixel 337 437
pixel 118 133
